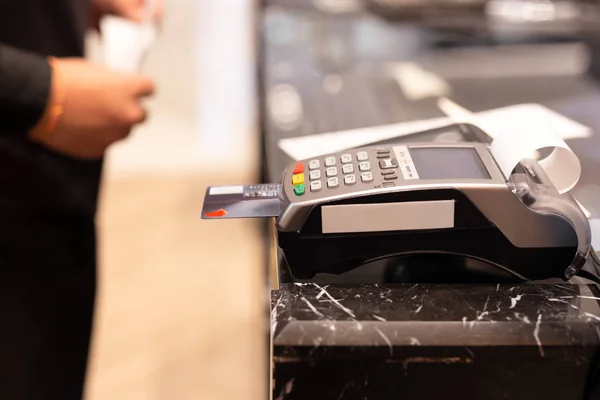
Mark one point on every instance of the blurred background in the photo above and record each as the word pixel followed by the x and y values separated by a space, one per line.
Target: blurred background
pixel 182 302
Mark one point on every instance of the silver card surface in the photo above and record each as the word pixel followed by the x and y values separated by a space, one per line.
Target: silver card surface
pixel 242 201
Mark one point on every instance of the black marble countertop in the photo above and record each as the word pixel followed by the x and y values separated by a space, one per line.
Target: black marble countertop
pixel 306 314
pixel 374 341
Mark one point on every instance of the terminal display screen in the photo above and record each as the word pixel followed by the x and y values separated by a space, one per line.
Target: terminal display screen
pixel 448 163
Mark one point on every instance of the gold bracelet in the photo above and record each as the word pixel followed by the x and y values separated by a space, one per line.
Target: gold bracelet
pixel 58 106
pixel 54 109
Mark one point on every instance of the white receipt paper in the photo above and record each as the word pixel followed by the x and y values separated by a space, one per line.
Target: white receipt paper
pixel 492 122
pixel 518 137
pixel 513 145
pixel 126 43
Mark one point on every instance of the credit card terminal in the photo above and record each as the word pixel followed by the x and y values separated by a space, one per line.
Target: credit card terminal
pixel 339 211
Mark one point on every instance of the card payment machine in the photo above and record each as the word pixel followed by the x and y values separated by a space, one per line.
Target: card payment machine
pixel 342 210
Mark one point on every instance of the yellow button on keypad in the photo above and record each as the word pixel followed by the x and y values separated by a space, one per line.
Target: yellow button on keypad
pixel 298 179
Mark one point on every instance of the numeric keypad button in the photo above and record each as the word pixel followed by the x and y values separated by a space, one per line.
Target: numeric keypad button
pixel 364 166
pixel 314 164
pixel 315 175
pixel 362 156
pixel 348 169
pixel 333 183
pixel 330 161
pixel 346 158
pixel 366 177
pixel 350 179
pixel 331 171
pixel 315 186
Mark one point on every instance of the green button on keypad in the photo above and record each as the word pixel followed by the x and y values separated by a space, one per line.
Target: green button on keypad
pixel 299 189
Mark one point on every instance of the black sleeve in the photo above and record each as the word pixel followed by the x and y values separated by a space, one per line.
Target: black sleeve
pixel 25 82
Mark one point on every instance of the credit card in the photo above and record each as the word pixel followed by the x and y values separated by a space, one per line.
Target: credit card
pixel 242 201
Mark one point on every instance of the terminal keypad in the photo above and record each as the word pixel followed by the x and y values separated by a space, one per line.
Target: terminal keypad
pixel 375 168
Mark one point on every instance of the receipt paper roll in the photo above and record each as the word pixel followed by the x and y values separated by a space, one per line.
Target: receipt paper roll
pixel 513 145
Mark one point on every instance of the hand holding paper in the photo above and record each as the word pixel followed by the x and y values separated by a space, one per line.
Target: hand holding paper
pixel 100 107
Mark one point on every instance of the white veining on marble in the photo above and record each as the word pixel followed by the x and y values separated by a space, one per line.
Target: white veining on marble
pixel 274 315
pixel 385 338
pixel 321 293
pixel 414 286
pixel 498 306
pixel 312 308
pixel 378 286
pixel 587 314
pixel 334 301
pixel 470 352
pixel 359 325
pixel 565 302
pixel 316 344
pixel 579 297
pixel 287 389
pixel 346 387
pixel 515 300
pixel 522 317
pixel 482 315
pixel 536 334
pixel 487 300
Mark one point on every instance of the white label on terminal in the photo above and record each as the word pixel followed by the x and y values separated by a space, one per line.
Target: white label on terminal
pixel 218 190
pixel 417 215
pixel 405 163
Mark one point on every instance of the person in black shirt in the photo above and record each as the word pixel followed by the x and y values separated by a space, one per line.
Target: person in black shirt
pixel 58 115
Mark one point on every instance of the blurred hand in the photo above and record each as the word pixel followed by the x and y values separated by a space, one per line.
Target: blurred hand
pixel 134 10
pixel 101 106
